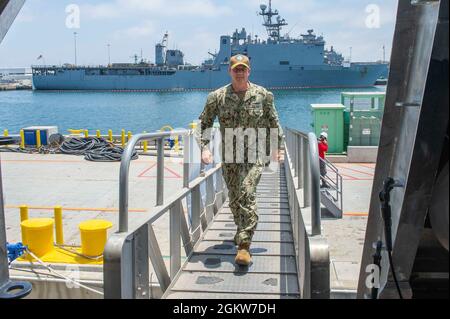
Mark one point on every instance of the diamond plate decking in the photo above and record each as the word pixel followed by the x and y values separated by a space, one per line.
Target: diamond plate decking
pixel 210 272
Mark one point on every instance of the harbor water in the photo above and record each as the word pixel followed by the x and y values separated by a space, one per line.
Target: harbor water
pixel 140 112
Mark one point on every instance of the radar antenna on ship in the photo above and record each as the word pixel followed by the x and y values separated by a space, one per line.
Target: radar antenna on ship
pixel 160 50
pixel 136 58
pixel 273 28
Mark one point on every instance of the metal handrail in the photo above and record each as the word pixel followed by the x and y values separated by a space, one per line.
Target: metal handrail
pixel 127 252
pixel 336 184
pixel 125 167
pixel 301 164
pixel 304 155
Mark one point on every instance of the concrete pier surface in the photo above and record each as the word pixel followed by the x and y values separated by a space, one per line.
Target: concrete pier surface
pixel 346 236
pixel 90 190
pixel 86 190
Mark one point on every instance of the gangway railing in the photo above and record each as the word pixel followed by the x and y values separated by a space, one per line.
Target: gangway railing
pixel 303 183
pixel 332 193
pixel 128 251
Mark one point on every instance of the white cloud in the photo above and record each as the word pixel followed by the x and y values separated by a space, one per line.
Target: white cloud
pixel 145 29
pixel 100 11
pixel 156 8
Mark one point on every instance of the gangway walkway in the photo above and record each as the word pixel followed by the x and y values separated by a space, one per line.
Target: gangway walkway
pixel 211 273
pixel 290 256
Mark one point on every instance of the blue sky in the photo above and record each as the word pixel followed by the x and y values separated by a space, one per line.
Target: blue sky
pixel 194 27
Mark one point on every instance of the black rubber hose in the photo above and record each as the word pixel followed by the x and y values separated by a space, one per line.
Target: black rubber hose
pixel 94 149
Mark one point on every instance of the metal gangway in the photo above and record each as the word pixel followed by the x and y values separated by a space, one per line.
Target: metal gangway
pixel 290 256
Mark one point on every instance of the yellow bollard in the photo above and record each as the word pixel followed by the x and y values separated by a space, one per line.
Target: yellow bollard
pixel 110 136
pixel 22 139
pixel 59 225
pixel 37 234
pixel 38 139
pixel 98 134
pixel 93 236
pixel 145 144
pixel 129 136
pixel 23 213
pixel 86 133
pixel 123 138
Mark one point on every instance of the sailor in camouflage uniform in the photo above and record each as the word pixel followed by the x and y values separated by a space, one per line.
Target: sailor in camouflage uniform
pixel 241 105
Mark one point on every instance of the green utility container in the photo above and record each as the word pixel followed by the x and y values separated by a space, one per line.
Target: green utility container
pixel 364 101
pixel 347 121
pixel 354 133
pixel 364 131
pixel 330 118
pixel 365 112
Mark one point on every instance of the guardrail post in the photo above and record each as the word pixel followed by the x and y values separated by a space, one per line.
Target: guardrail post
pixel 300 162
pixel 186 159
pixel 141 264
pixel 160 173
pixel 195 214
pixel 315 184
pixel 306 175
pixel 209 208
pixel 295 154
pixel 175 243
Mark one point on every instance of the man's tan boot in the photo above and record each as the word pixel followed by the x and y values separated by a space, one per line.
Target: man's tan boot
pixel 243 257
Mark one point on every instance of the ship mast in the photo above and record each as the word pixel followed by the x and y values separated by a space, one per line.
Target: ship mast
pixel 273 28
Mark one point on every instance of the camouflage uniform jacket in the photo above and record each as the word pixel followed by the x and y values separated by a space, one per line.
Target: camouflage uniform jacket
pixel 255 110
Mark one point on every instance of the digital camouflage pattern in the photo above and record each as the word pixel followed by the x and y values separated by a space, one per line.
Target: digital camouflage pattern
pixel 255 110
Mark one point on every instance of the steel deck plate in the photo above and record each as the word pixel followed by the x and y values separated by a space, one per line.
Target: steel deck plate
pixel 228 248
pixel 225 263
pixel 216 282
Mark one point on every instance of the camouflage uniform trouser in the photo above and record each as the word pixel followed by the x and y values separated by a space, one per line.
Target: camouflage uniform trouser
pixel 241 180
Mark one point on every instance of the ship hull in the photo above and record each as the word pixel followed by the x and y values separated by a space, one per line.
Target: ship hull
pixel 358 75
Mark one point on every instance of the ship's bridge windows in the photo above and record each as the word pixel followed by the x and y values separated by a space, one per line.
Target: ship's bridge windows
pixel 284 62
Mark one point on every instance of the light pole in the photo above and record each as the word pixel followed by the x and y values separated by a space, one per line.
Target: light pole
pixel 109 54
pixel 75 41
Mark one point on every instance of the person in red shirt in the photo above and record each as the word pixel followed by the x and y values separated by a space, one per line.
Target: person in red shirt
pixel 323 148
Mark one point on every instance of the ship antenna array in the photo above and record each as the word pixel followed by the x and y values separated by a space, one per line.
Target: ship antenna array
pixel 273 28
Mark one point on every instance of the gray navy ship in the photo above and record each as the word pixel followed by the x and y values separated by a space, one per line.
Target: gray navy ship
pixel 278 62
